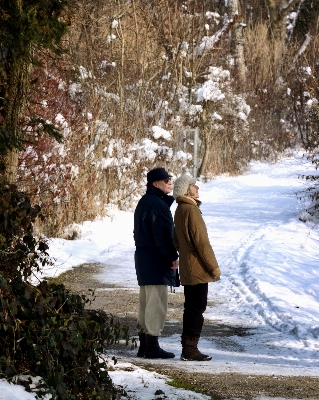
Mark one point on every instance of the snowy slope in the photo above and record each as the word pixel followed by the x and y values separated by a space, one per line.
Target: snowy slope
pixel 269 259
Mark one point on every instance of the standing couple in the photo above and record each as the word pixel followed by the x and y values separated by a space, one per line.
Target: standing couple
pixel 161 249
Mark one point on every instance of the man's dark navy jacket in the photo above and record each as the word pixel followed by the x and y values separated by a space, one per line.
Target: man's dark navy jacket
pixel 153 235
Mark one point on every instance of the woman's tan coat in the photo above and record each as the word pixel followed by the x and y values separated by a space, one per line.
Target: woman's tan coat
pixel 197 261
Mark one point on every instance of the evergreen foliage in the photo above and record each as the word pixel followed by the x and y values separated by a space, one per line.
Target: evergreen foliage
pixel 20 252
pixel 45 330
pixel 26 27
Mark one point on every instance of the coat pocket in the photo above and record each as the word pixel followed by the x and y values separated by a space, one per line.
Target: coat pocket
pixel 196 268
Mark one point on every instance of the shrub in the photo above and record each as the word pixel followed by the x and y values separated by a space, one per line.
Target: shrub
pixel 45 330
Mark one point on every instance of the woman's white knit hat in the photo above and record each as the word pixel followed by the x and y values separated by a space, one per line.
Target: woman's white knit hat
pixel 181 185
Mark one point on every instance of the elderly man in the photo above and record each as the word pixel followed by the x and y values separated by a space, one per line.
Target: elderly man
pixel 156 260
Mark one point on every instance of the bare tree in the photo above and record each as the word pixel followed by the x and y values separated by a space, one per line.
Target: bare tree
pixel 238 39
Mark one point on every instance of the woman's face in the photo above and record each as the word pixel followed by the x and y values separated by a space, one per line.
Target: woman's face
pixel 193 191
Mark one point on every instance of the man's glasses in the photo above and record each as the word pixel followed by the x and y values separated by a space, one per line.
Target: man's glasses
pixel 167 180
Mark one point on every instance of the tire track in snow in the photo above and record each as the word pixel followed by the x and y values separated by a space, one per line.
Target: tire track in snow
pixel 242 298
pixel 246 289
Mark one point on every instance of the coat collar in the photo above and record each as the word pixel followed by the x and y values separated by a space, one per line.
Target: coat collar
pixel 185 199
pixel 152 190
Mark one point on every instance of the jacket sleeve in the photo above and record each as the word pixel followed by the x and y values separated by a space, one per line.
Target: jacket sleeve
pixel 162 229
pixel 199 237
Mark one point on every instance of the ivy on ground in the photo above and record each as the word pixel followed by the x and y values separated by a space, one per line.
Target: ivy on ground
pixel 45 330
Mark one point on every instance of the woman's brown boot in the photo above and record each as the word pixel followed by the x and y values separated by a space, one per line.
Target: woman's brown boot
pixel 190 351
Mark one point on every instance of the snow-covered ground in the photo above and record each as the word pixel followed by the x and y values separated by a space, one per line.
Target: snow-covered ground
pixel 270 276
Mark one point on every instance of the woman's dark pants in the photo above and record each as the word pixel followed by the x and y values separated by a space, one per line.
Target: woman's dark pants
pixel 194 307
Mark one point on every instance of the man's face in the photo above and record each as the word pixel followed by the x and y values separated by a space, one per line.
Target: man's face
pixel 164 185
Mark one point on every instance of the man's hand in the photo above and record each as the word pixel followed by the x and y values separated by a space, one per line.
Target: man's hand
pixel 175 264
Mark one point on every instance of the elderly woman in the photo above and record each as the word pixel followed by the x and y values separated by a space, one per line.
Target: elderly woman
pixel 197 264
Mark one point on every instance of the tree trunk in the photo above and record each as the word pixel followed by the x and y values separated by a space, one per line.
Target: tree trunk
pixel 206 137
pixel 11 166
pixel 276 22
pixel 278 12
pixel 203 165
pixel 238 40
pixel 239 52
pixel 15 98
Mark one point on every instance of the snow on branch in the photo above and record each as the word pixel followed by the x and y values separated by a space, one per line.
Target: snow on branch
pixel 209 42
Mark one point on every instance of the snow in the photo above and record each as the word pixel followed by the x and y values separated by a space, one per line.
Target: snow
pixel 151 382
pixel 111 37
pixel 115 24
pixel 269 261
pixel 210 89
pixel 159 132
pixel 10 391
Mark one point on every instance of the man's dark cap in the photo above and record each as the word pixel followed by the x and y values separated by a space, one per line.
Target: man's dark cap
pixel 157 174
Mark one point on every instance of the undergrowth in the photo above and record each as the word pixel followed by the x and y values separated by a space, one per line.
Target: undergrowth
pixel 44 329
